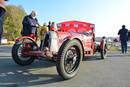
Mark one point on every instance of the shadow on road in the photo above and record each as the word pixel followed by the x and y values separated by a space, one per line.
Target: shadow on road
pixel 27 75
pixel 38 73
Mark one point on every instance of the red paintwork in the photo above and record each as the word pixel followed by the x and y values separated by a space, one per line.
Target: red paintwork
pixel 115 40
pixel 36 53
pixel 26 50
pixel 73 30
pixel 76 30
pixel 25 37
pixel 68 34
pixel 86 40
pixel 76 26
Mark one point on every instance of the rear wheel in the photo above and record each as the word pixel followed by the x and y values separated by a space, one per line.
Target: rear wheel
pixel 20 51
pixel 69 58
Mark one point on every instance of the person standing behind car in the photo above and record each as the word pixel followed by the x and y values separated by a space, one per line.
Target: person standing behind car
pixel 30 25
pixel 43 31
pixel 129 35
pixel 123 38
pixel 53 27
pixel 2 15
pixel 49 25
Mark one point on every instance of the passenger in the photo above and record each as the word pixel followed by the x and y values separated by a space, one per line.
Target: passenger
pixel 123 38
pixel 49 25
pixel 30 25
pixel 43 31
pixel 53 27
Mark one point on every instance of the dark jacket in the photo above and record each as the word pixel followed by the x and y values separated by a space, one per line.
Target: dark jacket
pixel 129 36
pixel 123 34
pixel 29 25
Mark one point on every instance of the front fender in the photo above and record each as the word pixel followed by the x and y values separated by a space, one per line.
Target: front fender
pixel 23 37
pixel 78 39
pixel 27 37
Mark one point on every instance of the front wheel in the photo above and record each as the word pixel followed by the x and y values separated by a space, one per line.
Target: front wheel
pixel 103 52
pixel 69 58
pixel 20 51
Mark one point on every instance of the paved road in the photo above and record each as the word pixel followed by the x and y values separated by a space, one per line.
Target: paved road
pixel 111 72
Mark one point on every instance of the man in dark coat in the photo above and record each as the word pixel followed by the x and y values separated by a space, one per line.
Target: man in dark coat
pixel 129 35
pixel 49 25
pixel 30 25
pixel 2 15
pixel 123 38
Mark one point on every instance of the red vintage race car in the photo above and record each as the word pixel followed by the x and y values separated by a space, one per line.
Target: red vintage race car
pixel 67 46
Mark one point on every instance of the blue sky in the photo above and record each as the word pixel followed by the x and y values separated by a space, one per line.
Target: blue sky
pixel 107 15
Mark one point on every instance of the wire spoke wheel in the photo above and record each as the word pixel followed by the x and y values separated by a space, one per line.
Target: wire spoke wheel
pixel 21 49
pixel 69 57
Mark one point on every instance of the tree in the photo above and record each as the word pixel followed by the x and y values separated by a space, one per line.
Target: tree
pixel 13 22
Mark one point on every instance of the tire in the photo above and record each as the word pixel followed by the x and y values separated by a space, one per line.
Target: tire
pixel 19 57
pixel 69 57
pixel 103 52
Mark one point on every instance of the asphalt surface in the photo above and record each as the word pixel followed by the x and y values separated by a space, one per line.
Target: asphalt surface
pixel 114 71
